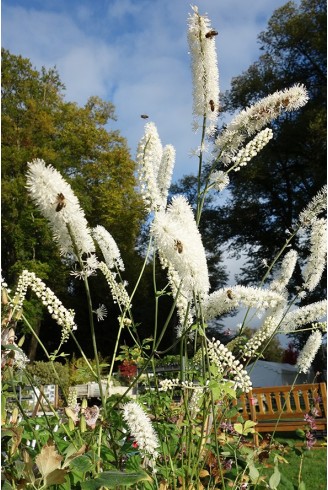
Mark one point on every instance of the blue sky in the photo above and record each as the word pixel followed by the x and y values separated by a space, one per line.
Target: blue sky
pixel 135 54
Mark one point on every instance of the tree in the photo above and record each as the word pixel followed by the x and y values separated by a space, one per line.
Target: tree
pixel 267 196
pixel 37 122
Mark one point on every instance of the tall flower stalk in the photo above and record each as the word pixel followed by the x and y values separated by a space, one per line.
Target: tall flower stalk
pixel 179 431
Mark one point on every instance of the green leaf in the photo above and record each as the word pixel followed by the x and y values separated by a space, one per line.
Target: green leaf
pixel 3 408
pixel 253 473
pixel 6 485
pixel 238 428
pixel 231 413
pixel 275 479
pixel 112 479
pixel 72 454
pixel 302 486
pixel 81 463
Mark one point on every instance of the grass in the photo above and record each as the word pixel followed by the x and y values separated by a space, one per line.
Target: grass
pixel 312 471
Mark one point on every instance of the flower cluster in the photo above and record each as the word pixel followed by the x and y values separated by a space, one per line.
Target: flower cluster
pixel 254 118
pixel 108 247
pixel 226 299
pixel 201 39
pixel 63 317
pixel 59 205
pixel 314 208
pixel 141 429
pixel 228 365
pixel 303 315
pixel 119 293
pixel 91 415
pixel 317 260
pixel 219 180
pixel 155 168
pixel 169 384
pixel 101 313
pixel 89 267
pixel 180 245
pixel 309 351
pixel 267 330
pixel 286 271
pixel 251 149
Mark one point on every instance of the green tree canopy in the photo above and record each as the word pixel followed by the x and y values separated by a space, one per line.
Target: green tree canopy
pixel 266 197
pixel 37 122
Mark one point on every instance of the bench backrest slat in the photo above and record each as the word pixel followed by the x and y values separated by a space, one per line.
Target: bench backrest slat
pixel 286 402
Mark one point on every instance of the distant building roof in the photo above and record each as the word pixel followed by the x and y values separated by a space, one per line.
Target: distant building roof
pixel 266 373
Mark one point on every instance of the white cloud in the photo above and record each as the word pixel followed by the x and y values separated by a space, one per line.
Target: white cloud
pixel 135 54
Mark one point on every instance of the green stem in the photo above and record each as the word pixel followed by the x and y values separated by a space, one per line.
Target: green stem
pixel 283 248
pixel 200 203
pixel 46 353
pixel 90 311
pixel 94 341
pixel 82 354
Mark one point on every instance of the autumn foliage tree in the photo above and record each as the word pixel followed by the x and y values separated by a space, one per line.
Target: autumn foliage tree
pixel 80 142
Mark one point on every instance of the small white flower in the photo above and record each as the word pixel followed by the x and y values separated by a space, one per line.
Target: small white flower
pixel 154 168
pixel 63 317
pixel 318 254
pixel 141 429
pixel 252 149
pixel 315 206
pixel 250 120
pixel 205 74
pixel 101 312
pixel 228 365
pixel 220 180
pixel 287 268
pixel 108 248
pixel 226 299
pixel 309 351
pixel 59 205
pixel 119 293
pixel 303 315
pixel 180 245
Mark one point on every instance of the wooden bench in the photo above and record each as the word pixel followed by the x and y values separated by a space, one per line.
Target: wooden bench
pixel 282 408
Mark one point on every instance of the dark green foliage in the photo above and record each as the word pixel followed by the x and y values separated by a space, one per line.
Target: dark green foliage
pixel 38 123
pixel 42 373
pixel 267 196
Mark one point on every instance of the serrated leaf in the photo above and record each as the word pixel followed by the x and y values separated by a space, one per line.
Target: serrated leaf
pixel 112 479
pixel 55 477
pixel 48 460
pixel 82 463
pixel 72 454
